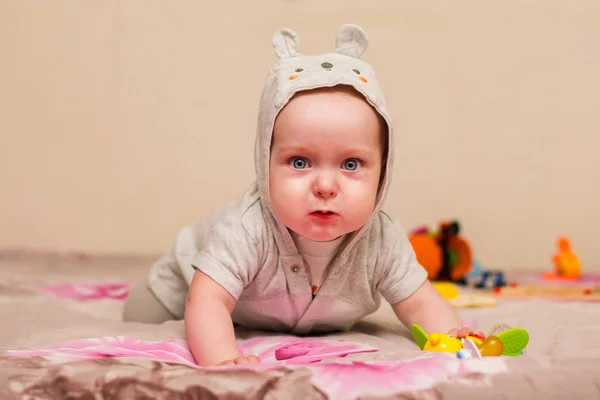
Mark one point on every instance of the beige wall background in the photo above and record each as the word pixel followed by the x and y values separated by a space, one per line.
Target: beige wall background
pixel 122 121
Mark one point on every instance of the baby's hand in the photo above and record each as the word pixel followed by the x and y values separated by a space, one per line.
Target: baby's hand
pixel 252 359
pixel 464 332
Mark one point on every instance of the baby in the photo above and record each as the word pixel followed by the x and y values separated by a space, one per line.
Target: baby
pixel 307 248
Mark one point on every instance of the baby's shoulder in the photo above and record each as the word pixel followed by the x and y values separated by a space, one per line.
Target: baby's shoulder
pixel 386 229
pixel 240 218
pixel 252 217
pixel 386 239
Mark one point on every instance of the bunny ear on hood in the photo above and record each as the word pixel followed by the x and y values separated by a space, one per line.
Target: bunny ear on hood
pixel 285 43
pixel 351 41
pixel 295 72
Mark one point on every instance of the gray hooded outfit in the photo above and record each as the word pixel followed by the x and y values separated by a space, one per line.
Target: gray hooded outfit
pixel 245 249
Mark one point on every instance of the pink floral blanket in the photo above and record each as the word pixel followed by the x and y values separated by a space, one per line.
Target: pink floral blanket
pixel 87 291
pixel 67 340
pixel 277 349
pixel 337 380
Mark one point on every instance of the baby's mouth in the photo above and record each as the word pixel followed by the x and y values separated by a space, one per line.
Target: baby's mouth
pixel 323 214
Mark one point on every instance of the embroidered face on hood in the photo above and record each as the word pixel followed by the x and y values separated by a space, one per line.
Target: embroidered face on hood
pixel 294 73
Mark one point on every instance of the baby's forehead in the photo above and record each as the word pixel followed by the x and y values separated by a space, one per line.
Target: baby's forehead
pixel 336 111
pixel 338 94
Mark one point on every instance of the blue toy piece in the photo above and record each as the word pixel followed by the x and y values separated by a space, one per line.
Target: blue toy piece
pixel 475 272
pixel 490 280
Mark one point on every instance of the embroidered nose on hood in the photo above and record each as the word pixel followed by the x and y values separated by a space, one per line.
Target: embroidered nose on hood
pixel 296 72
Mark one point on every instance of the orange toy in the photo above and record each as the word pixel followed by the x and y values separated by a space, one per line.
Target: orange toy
pixel 435 251
pixel 465 259
pixel 566 262
pixel 428 253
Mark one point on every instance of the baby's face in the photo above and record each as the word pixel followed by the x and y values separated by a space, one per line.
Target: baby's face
pixel 325 164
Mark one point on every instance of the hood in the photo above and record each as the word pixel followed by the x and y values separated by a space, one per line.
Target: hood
pixel 343 66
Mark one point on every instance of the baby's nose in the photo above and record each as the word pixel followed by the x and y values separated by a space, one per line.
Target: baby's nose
pixel 325 193
pixel 325 187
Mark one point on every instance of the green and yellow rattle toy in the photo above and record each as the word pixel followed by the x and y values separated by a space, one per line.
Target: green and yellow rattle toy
pixel 502 340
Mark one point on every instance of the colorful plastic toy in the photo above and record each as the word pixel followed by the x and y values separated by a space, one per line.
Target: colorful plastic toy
pixel 447 290
pixel 484 279
pixel 515 340
pixel 475 272
pixel 489 280
pixel 469 350
pixel 566 262
pixel 438 341
pixel 501 340
pixel 444 254
pixel 442 342
pixel 450 292
pixel 492 346
pixel 435 341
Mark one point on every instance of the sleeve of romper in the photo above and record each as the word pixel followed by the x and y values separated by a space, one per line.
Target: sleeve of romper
pixel 229 254
pixel 402 274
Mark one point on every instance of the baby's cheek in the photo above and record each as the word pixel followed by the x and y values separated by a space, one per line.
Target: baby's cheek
pixel 364 190
pixel 362 200
pixel 287 193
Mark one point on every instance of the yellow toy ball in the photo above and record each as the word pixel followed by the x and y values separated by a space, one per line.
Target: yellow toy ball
pixel 442 342
pixel 491 346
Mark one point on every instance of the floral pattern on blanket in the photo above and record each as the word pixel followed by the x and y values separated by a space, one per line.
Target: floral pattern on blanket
pixel 384 378
pixel 337 378
pixel 295 350
pixel 276 349
pixel 87 291
pixel 345 379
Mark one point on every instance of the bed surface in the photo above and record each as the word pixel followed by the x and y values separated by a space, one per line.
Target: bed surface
pixel 561 361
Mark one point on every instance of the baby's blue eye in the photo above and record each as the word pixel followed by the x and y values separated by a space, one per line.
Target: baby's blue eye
pixel 351 164
pixel 299 163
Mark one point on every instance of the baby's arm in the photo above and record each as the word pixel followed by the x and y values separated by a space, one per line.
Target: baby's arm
pixel 208 324
pixel 405 286
pixel 427 308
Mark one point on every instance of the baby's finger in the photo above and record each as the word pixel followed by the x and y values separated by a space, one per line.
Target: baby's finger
pixel 464 332
pixel 241 360
pixel 253 359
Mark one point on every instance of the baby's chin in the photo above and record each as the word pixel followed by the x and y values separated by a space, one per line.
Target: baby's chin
pixel 322 236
